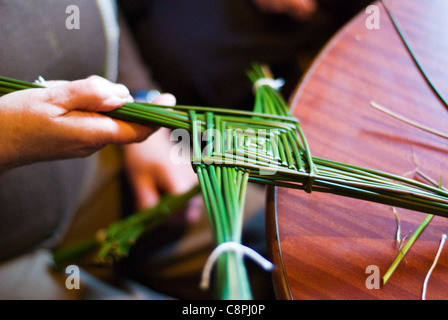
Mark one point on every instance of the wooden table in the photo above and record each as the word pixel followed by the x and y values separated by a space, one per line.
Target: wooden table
pixel 322 244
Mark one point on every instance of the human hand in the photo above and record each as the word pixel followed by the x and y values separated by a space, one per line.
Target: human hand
pixel 300 9
pixel 63 121
pixel 152 172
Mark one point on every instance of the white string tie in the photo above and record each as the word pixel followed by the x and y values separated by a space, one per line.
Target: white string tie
pixel 425 283
pixel 41 81
pixel 239 249
pixel 273 83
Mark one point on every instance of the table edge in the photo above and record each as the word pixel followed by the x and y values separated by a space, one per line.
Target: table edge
pixel 280 280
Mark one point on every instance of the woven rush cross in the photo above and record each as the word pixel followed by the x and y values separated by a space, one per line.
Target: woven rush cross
pixel 271 145
pixel 267 146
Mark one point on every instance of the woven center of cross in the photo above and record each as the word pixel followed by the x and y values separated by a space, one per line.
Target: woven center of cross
pixel 266 146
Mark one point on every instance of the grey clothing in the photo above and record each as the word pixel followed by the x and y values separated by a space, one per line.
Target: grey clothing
pixel 38 201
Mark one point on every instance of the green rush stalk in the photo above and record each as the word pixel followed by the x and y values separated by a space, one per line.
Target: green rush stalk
pixel 402 253
pixel 400 256
pixel 114 242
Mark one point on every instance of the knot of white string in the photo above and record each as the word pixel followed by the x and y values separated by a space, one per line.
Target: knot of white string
pixel 236 247
pixel 273 83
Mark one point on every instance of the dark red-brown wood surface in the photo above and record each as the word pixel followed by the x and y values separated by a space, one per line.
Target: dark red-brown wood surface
pixel 322 244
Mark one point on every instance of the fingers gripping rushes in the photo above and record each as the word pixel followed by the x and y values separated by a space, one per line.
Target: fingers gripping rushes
pixel 82 100
pixel 91 94
pixel 63 121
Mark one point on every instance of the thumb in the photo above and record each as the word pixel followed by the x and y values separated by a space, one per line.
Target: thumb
pixel 165 99
pixel 91 94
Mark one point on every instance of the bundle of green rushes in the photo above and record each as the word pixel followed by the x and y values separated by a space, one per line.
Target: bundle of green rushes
pixel 278 156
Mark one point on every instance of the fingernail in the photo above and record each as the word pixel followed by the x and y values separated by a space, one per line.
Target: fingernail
pixel 121 91
pixel 166 99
